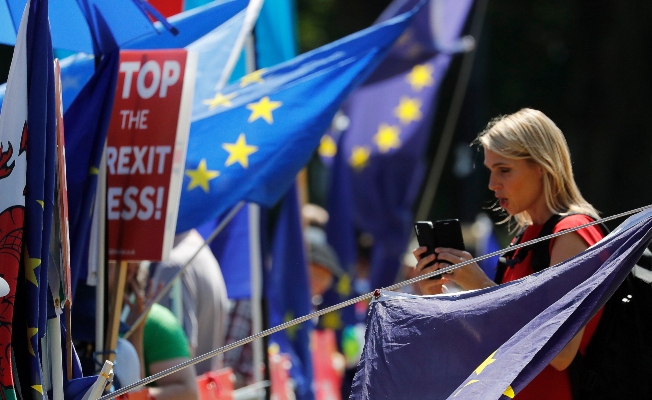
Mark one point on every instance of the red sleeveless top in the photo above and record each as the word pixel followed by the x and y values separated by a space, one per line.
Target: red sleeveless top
pixel 551 384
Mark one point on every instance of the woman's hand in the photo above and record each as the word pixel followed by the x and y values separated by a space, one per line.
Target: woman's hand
pixel 467 277
pixel 427 286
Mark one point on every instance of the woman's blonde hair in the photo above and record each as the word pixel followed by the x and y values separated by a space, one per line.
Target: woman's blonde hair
pixel 530 135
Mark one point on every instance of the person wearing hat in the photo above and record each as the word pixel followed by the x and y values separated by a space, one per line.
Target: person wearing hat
pixel 323 266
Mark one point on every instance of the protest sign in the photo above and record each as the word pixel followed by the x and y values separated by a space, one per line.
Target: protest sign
pixel 146 148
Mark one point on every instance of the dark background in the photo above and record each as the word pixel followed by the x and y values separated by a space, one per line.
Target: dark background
pixel 586 64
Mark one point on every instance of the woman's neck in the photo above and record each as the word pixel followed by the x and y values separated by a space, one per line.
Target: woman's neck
pixel 539 215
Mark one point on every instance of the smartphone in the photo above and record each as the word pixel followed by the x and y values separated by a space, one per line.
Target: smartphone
pixel 425 232
pixel 448 233
pixel 443 233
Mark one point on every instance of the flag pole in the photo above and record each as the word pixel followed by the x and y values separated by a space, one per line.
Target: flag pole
pixel 434 175
pixel 115 308
pixel 251 16
pixel 99 218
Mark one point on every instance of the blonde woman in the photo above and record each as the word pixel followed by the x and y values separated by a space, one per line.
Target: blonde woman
pixel 532 179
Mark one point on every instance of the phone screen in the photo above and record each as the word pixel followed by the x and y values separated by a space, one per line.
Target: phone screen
pixel 448 233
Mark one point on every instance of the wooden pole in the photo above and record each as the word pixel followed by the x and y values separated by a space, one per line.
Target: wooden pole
pixel 115 309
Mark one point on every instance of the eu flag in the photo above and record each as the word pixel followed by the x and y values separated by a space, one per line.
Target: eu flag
pixel 27 170
pixel 287 290
pixel 255 136
pixel 490 343
pixel 382 141
pixel 85 138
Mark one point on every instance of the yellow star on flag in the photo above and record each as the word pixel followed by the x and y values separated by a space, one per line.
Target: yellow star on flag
pixel 239 151
pixel 38 388
pixel 41 203
pixel 344 285
pixel 292 330
pixel 485 363
pixel 509 392
pixel 332 320
pixel 30 334
pixel 219 100
pixel 327 146
pixel 420 77
pixel 263 109
pixel 359 157
pixel 256 76
pixel 408 110
pixel 387 138
pixel 467 384
pixel 201 176
pixel 30 266
pixel 93 170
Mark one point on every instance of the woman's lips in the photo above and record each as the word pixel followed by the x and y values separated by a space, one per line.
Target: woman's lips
pixel 503 203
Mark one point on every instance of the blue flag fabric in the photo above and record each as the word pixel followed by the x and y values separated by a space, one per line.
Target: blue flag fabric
pixel 78 69
pixel 85 137
pixel 231 249
pixel 389 120
pixel 31 310
pixel 263 129
pixel 491 343
pixel 275 33
pixel 288 293
pixel 89 26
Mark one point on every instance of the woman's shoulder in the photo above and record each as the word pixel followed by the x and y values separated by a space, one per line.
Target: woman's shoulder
pixel 591 234
pixel 571 221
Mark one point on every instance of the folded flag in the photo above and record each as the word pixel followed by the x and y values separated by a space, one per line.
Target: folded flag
pixel 27 170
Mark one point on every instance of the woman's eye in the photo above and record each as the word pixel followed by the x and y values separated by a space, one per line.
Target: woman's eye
pixel 504 170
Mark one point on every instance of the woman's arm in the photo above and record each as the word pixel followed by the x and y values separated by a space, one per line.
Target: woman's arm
pixel 563 248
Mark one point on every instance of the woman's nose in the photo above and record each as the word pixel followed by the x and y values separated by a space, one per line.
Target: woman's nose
pixel 493 184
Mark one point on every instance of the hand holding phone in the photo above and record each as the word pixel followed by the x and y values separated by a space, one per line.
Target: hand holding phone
pixel 443 233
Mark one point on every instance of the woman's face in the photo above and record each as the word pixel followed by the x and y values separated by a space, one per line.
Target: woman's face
pixel 517 184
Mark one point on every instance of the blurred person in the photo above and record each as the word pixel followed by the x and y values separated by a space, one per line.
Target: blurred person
pixel 532 179
pixel 324 271
pixel 204 297
pixel 241 358
pixel 160 341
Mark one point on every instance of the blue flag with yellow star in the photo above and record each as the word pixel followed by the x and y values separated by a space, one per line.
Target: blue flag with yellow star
pixel 251 144
pixel 382 135
pixel 490 343
pixel 288 293
pixel 28 154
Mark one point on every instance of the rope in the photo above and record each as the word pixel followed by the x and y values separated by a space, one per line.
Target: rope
pixel 349 302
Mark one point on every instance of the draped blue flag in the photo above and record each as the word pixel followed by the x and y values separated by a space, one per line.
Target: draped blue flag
pixel 288 293
pixel 384 132
pixel 34 55
pixel 85 137
pixel 491 343
pixel 263 129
